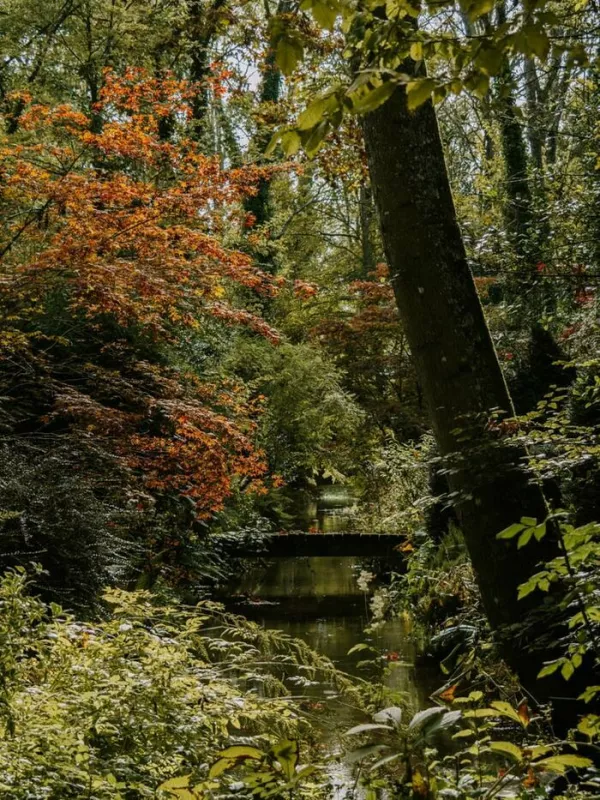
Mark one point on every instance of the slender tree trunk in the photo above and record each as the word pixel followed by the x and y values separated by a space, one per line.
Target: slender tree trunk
pixel 270 92
pixel 202 23
pixel 534 121
pixel 518 207
pixel 455 360
pixel 366 209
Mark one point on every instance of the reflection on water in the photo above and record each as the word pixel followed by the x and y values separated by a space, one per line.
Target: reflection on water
pixel 332 511
pixel 294 578
pixel 335 636
pixel 318 600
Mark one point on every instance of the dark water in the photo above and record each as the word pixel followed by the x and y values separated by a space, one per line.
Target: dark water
pixel 319 601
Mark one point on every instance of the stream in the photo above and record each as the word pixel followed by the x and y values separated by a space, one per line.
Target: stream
pixel 319 601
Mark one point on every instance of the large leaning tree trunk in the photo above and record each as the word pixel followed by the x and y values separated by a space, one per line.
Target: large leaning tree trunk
pixel 456 364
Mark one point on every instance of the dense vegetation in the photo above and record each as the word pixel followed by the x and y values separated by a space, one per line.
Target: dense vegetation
pixel 253 249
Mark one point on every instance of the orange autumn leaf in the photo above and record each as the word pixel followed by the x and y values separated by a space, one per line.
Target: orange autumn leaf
pixel 449 693
pixel 523 712
pixel 125 229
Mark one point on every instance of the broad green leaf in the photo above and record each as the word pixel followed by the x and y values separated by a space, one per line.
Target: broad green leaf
pixel 287 55
pixel 363 102
pixel 476 8
pixel 506 710
pixel 567 670
pixel 368 726
pixel 422 717
pixel 465 733
pixel 314 113
pixel 241 751
pixel 385 760
pixel 525 537
pixel 589 694
pixel 314 137
pixel 220 766
pixel 489 59
pixel 529 522
pixel 538 41
pixel 273 143
pixel 364 752
pixel 176 783
pixel 286 752
pixel 392 714
pixel 589 726
pixel 325 12
pixel 549 668
pixel 511 531
pixel 507 747
pixel 418 92
pixel 290 143
pixel 480 86
pixel 540 531
pixel 562 763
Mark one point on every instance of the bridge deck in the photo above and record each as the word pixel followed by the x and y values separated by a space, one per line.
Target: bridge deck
pixel 300 543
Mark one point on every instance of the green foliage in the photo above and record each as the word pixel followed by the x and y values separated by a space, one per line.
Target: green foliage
pixel 455 752
pixel 576 571
pixel 114 709
pixel 387 50
pixel 310 420
pixel 271 773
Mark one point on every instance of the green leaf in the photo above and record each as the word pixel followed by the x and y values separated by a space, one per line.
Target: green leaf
pixel 358 647
pixel 385 760
pixel 567 670
pixel 476 8
pixel 418 92
pixel 506 710
pixel 288 54
pixel 391 714
pixel 241 751
pixel 538 41
pixel 480 86
pixel 525 537
pixel 364 752
pixel 561 764
pixel 425 716
pixel 286 752
pixel 489 59
pixel 368 726
pixel 529 522
pixel 325 12
pixel 416 51
pixel 589 726
pixel 540 531
pixel 176 783
pixel 465 733
pixel 290 143
pixel 363 102
pixel 507 747
pixel 220 766
pixel 511 531
pixel 549 668
pixel 314 112
pixel 314 138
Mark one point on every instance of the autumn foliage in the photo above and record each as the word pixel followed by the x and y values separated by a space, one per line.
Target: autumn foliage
pixel 112 255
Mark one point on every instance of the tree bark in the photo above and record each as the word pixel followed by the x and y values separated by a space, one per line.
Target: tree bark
pixel 455 360
pixel 203 21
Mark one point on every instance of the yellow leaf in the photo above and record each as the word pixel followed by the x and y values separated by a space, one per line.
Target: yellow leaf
pixel 416 51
